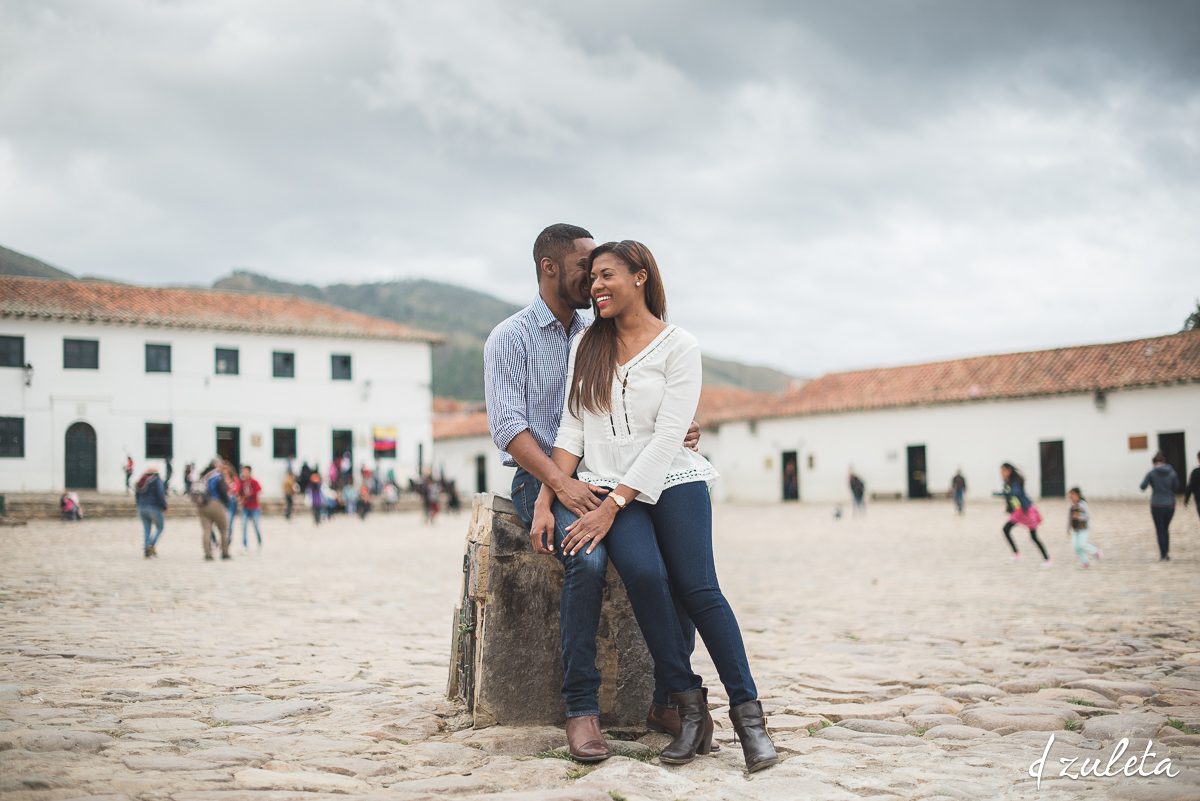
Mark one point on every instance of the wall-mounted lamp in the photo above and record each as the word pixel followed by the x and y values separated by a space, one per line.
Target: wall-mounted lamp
pixel 28 371
pixel 1101 400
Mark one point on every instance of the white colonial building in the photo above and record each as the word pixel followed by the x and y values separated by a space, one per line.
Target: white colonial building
pixel 1090 416
pixel 92 371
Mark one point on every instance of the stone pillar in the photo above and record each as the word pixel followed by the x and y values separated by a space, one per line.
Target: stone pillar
pixel 505 660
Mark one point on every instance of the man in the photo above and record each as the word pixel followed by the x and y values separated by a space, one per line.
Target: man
pixel 958 486
pixel 857 489
pixel 211 496
pixel 249 490
pixel 1193 487
pixel 525 367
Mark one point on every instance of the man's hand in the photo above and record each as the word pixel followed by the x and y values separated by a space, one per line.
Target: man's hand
pixel 691 440
pixel 589 530
pixel 580 497
pixel 541 530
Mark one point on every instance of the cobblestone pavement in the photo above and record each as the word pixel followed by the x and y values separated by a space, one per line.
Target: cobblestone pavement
pixel 903 655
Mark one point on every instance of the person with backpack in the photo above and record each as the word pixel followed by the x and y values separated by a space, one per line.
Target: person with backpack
pixel 316 497
pixel 211 496
pixel 151 495
pixel 1079 523
pixel 1021 511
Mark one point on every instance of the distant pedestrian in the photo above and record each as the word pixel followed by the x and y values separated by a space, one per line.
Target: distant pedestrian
pixel 315 497
pixel 151 494
pixel 1079 521
pixel 430 498
pixel 349 497
pixel 211 496
pixel 453 502
pixel 234 488
pixel 958 488
pixel 1021 511
pixel 302 479
pixel 169 471
pixel 290 489
pixel 858 490
pixel 128 468
pixel 364 502
pixel 249 491
pixel 1193 488
pixel 69 507
pixel 189 475
pixel 1163 483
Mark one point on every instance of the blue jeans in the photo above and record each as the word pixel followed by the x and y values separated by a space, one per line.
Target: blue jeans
pixel 673 540
pixel 150 515
pixel 232 506
pixel 249 515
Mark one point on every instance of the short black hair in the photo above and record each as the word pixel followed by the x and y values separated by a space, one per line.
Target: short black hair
pixel 554 241
pixel 248 467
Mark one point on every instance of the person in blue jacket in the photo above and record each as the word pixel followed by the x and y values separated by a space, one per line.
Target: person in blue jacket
pixel 151 495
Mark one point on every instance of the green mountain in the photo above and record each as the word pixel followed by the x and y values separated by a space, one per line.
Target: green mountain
pixel 465 317
pixel 14 263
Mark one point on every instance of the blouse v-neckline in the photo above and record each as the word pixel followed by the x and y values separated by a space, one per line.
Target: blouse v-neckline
pixel 632 360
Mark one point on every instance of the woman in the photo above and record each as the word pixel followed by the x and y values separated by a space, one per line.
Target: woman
pixel 1163 483
pixel 633 387
pixel 151 505
pixel 1021 511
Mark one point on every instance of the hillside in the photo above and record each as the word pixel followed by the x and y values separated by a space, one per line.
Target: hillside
pixel 14 263
pixel 465 317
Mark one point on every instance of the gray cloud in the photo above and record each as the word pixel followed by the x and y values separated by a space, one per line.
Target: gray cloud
pixel 825 185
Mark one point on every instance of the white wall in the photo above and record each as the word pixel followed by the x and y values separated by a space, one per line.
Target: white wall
pixel 390 387
pixel 975 436
pixel 456 457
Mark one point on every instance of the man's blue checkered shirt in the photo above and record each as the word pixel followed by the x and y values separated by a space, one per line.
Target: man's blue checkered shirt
pixel 525 375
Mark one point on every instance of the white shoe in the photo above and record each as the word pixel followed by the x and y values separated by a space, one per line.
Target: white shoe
pixel 1047 563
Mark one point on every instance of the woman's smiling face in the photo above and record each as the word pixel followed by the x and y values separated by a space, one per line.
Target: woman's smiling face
pixel 614 287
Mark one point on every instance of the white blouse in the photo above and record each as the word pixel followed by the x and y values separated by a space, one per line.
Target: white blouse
pixel 640 442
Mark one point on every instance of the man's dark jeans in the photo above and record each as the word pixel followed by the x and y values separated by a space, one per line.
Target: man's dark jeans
pixel 1162 527
pixel 579 607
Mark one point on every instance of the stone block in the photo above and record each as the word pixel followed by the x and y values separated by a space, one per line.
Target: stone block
pixel 505 660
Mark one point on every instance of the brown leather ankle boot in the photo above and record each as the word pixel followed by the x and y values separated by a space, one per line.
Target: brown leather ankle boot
pixel 695 729
pixel 751 727
pixel 665 720
pixel 585 740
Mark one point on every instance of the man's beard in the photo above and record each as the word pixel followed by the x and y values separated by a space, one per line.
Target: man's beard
pixel 580 301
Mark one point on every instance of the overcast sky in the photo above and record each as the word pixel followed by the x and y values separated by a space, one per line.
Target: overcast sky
pixel 825 185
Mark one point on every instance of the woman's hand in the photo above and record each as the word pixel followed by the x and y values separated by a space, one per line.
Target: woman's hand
pixel 589 530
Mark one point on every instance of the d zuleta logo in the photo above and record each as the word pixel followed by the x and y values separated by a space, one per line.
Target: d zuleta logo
pixel 1134 766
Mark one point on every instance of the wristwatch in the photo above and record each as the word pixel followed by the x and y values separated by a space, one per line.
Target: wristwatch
pixel 618 499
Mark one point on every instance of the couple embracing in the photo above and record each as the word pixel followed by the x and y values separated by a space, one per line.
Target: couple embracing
pixel 597 419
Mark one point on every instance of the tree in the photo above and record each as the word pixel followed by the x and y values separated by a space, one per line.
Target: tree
pixel 1192 323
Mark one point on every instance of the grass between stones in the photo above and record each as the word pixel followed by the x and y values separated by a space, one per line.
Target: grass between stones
pixel 814 728
pixel 1176 723
pixel 1072 725
pixel 1079 702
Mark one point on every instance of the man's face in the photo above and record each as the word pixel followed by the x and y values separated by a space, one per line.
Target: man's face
pixel 574 282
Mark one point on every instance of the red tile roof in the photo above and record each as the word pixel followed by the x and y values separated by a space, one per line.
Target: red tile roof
pixel 1173 359
pixel 713 401
pixel 108 302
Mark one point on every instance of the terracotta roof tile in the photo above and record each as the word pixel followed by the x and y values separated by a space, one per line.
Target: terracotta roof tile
pixel 1144 362
pixel 104 301
pixel 461 426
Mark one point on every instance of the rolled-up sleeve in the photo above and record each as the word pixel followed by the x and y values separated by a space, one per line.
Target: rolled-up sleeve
pixel 681 396
pixel 570 428
pixel 505 372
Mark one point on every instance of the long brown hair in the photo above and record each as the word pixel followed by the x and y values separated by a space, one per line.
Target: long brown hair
pixel 596 359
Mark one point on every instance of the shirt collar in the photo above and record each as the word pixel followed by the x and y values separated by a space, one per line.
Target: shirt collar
pixel 544 317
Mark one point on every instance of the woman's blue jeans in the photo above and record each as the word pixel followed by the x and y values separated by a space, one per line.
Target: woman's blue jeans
pixel 672 541
pixel 150 516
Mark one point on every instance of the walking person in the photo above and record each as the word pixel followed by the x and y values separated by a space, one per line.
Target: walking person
pixel 316 498
pixel 128 468
pixel 958 488
pixel 249 492
pixel 1163 483
pixel 170 471
pixel 858 491
pixel 633 385
pixel 189 475
pixel 234 489
pixel 525 378
pixel 290 489
pixel 1079 521
pixel 151 499
pixel 211 496
pixel 1193 487
pixel 1021 511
